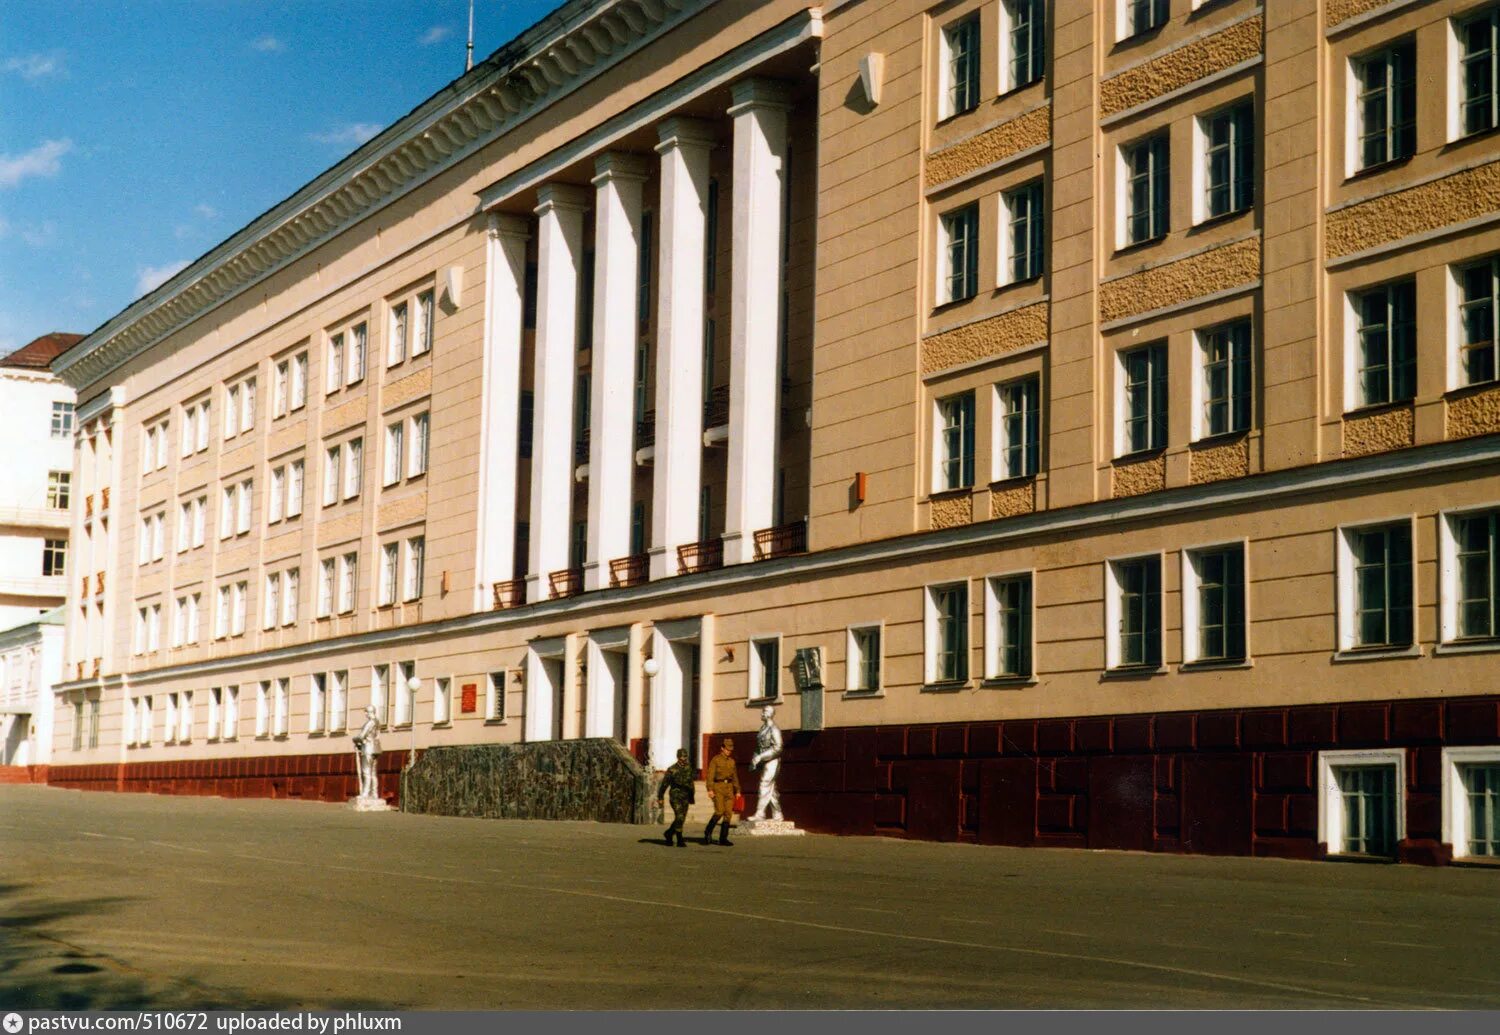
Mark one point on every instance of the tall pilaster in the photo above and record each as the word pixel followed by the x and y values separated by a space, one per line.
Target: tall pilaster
pixel 684 150
pixel 760 148
pixel 560 211
pixel 504 300
pixel 617 231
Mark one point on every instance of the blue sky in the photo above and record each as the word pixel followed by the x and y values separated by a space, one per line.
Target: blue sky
pixel 136 136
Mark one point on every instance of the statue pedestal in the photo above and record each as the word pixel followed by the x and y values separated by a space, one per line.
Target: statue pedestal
pixel 370 805
pixel 771 828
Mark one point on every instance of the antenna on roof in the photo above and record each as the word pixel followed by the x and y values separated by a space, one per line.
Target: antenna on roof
pixel 469 50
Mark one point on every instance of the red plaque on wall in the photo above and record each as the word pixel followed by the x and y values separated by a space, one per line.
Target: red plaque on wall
pixel 469 702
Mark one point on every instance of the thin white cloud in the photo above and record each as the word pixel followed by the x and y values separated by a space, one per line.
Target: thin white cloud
pixel 204 211
pixel 352 134
pixel 39 235
pixel 267 45
pixel 42 160
pixel 436 34
pixel 149 278
pixel 35 66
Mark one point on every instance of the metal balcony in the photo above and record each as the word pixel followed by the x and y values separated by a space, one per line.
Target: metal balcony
pixel 781 541
pixel 566 582
pixel 705 556
pixel 629 571
pixel 509 594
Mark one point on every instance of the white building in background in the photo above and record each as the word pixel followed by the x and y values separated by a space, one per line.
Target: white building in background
pixel 31 660
pixel 36 430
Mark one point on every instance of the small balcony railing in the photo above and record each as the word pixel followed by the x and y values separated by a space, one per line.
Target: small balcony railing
pixel 581 447
pixel 716 408
pixel 85 590
pixel 97 663
pixel 781 541
pixel 88 505
pixel 645 430
pixel 80 666
pixel 99 583
pixel 704 556
pixel 104 499
pixel 566 582
pixel 510 594
pixel 628 571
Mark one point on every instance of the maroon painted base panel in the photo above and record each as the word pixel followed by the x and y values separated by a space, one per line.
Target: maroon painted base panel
pixel 312 777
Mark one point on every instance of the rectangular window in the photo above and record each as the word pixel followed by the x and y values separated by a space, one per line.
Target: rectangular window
pixel 169 726
pixel 394 436
pixel 179 621
pixel 1224 352
pixel 423 340
pixel 416 549
pixel 442 700
pixel 232 411
pixel 184 526
pixel 281 388
pixel 299 380
pixel 765 669
pixel 200 520
pixel 291 585
pixel 239 597
pixel 281 707
pixel 221 614
pixel 642 383
pixel 357 335
pixel 77 725
pixel 379 689
pixel 711 239
pixel 406 697
pixel 54 557
pixel 1475 586
pixel 195 606
pixel 201 428
pixel 396 348
pixel 1019 428
pixel 215 710
pixel 584 331
pixel 863 659
pixel 1385 105
pixel 62 420
pixel 637 528
pixel 1023 36
pixel 1381 587
pixel 1367 794
pixel 388 556
pixel 334 370
pixel 338 701
pixel 960 91
pixel 331 475
pixel 159 536
pixel 246 503
pixel 1136 600
pixel 1479 84
pixel 348 581
pixel 354 467
pixel 643 274
pixel 1228 160
pixel 955 442
pixel 417 462
pixel 1145 398
pixel 1026 232
pixel 247 405
pixel 1147 189
pixel 230 728
pixel 494 697
pixel 1143 16
pixel 294 478
pixel 525 421
pixel 1387 349
pixel 960 258
pixel 185 717
pixel 1479 332
pixel 1007 633
pixel 947 633
pixel 187 430
pixel 317 702
pixel 153 628
pixel 277 498
pixel 59 489
pixel 262 709
pixel 1481 804
pixel 326 582
pixel 227 508
pixel 1214 605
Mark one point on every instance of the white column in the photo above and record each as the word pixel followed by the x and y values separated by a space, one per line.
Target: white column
pixel 679 332
pixel 666 703
pixel 560 214
pixel 617 232
pixel 504 301
pixel 759 113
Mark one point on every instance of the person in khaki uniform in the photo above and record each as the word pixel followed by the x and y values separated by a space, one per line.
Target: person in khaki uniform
pixel 722 778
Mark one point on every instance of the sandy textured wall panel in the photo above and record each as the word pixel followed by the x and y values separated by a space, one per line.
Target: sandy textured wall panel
pixel 952 511
pixel 1187 64
pixel 407 389
pixel 1216 463
pixel 234 560
pixel 1430 206
pixel 285 438
pixel 399 512
pixel 338 418
pixel 577 779
pixel 990 146
pixel 984 338
pixel 1013 500
pixel 1477 414
pixel 1340 11
pixel 339 529
pixel 1141 476
pixel 1182 281
pixel 1379 432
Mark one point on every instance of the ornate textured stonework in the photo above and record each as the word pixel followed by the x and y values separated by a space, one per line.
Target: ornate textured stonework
pixel 399 512
pixel 347 415
pixel 1429 206
pixel 984 338
pixel 1013 500
pixel 1216 463
pixel 1174 70
pixel 1182 281
pixel 1140 476
pixel 990 146
pixel 410 387
pixel 1379 432
pixel 339 529
pixel 951 511
pixel 571 779
pixel 1339 11
pixel 1477 414
pixel 285 438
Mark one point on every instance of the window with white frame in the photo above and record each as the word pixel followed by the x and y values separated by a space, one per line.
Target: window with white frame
pixel 1384 358
pixel 1469 555
pixel 153 628
pixel 1479 72
pixel 1225 161
pixel 62 420
pixel 1146 195
pixel 862 665
pixel 185 717
pixel 1025 231
pixel 228 508
pixel 200 520
pixel 232 405
pixel 946 633
pixel 1361 801
pixel 1375 588
pixel 179 621
pixel 1135 17
pixel 317 704
pixel 169 725
pixel 494 697
pixel 1213 604
pixel 380 679
pixel 327 579
pixel 1132 613
pixel 1383 117
pixel 59 489
pixel 354 467
pixel 1018 429
pixel 245 503
pixel 215 708
pixel 222 610
pixel 281 388
pixel 958 257
pixel 159 535
pixel 271 601
pixel 1471 801
pixel 958 68
pixel 184 525
pixel 1223 384
pixel 1478 357
pixel 953 443
pixel 333 371
pixel 291 586
pixel 358 335
pixel 54 557
pixel 276 499
pixel 348 581
pixel 388 560
pixel 1008 624
pixel 239 595
pixel 394 438
pixel 417 461
pixel 281 707
pixel 422 341
pixel 396 344
pixel 230 725
pixel 138 637
pixel 406 696
pixel 1142 399
pixel 247 404
pixel 295 473
pixel 442 700
pixel 411 579
pixel 1023 42
pixel 338 701
pixel 263 708
pixel 331 460
pixel 764 682
pixel 299 380
pixel 195 608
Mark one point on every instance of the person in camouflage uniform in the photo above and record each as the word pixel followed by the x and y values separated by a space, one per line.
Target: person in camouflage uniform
pixel 679 780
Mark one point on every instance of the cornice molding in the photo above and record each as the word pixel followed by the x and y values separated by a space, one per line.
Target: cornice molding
pixel 559 54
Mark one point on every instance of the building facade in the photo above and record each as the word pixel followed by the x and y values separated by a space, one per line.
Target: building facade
pixel 31 656
pixel 1082 417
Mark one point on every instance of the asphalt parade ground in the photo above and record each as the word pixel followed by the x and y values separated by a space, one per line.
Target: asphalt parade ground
pixel 122 901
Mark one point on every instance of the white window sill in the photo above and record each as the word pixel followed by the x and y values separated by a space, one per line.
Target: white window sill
pixel 1134 672
pixel 496 722
pixel 1008 682
pixel 856 695
pixel 1468 647
pixel 949 686
pixel 1376 654
pixel 1215 665
pixel 761 702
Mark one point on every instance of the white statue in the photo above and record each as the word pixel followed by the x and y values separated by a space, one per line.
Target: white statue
pixel 367 755
pixel 768 758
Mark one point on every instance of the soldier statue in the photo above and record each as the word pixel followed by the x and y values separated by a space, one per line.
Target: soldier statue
pixel 678 780
pixel 367 755
pixel 768 758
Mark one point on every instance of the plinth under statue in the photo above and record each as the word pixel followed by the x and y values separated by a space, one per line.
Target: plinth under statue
pixel 366 762
pixel 767 758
